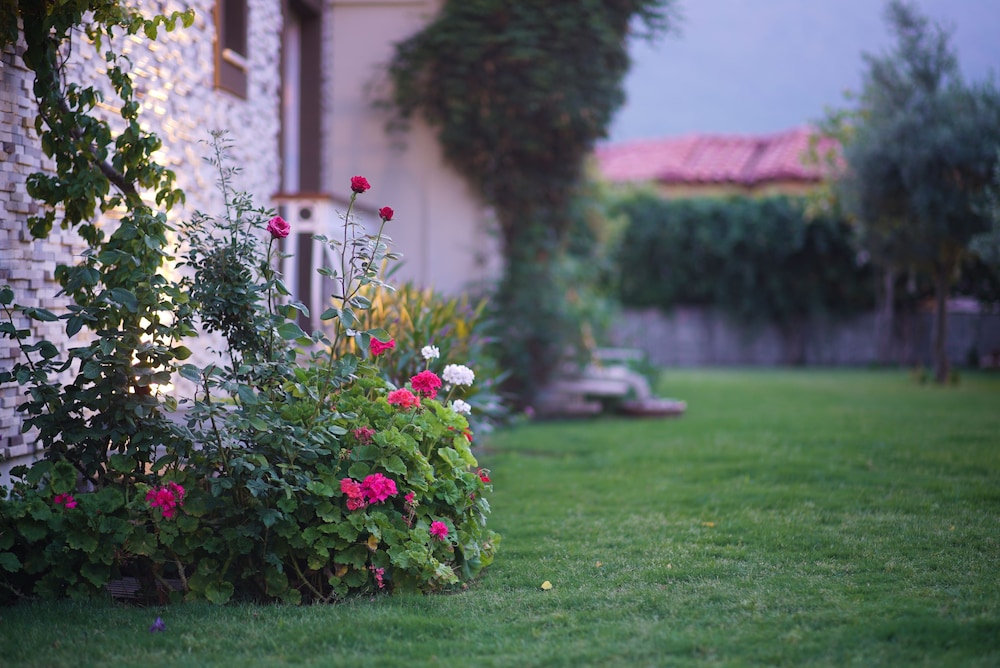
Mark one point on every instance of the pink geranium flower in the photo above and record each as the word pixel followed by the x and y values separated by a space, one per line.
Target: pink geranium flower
pixel 426 383
pixel 359 184
pixel 403 398
pixel 378 347
pixel 65 500
pixel 439 530
pixel 278 228
pixel 364 434
pixel 355 497
pixel 376 488
pixel 168 498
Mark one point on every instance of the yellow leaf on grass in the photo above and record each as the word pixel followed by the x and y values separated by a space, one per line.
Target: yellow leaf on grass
pixel 708 524
pixel 598 564
pixel 546 585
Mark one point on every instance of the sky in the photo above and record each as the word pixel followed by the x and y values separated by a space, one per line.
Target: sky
pixel 763 66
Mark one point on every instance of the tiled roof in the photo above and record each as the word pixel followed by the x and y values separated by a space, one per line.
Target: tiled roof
pixel 705 159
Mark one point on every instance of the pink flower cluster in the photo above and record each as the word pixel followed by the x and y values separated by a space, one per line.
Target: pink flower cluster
pixel 439 530
pixel 168 498
pixel 376 488
pixel 66 500
pixel 364 434
pixel 403 398
pixel 378 347
pixel 379 574
pixel 426 383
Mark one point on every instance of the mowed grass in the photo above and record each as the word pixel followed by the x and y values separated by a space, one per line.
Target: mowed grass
pixel 802 518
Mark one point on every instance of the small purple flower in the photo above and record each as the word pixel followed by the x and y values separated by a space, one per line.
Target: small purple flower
pixel 158 625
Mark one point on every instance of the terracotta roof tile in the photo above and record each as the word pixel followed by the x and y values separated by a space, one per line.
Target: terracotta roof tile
pixel 743 159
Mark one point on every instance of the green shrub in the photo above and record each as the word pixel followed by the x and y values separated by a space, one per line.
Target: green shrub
pixel 299 473
pixel 459 330
pixel 760 259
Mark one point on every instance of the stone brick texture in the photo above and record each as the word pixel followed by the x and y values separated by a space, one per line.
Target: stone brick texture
pixel 174 81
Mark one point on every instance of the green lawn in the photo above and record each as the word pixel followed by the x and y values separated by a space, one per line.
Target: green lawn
pixel 790 518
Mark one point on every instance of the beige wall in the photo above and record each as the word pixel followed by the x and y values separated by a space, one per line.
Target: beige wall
pixel 440 227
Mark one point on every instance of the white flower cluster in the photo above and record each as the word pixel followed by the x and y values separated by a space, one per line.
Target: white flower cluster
pixel 458 374
pixel 430 353
pixel 461 407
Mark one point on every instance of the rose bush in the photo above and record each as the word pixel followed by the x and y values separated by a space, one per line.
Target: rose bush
pixel 298 472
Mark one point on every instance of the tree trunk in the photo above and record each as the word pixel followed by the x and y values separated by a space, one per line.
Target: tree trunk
pixel 885 317
pixel 942 368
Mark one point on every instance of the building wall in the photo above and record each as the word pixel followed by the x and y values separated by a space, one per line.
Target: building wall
pixel 174 80
pixel 796 188
pixel 440 228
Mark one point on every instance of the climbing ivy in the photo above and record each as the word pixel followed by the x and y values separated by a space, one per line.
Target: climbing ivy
pixel 519 92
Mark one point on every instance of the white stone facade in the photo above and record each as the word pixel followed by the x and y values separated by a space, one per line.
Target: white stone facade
pixel 174 82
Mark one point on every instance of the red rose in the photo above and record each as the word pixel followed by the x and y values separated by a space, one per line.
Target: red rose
pixel 386 213
pixel 359 184
pixel 278 228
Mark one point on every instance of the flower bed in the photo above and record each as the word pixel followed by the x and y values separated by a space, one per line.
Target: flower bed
pixel 300 472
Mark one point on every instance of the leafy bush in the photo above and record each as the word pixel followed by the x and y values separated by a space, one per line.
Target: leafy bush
pixel 456 327
pixel 760 259
pixel 298 472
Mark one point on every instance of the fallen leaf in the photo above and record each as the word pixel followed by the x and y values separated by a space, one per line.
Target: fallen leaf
pixel 708 524
pixel 598 564
pixel 546 585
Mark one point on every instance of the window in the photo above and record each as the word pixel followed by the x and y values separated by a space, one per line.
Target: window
pixel 231 52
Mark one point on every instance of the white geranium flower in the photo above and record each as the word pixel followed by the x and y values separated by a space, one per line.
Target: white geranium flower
pixel 461 407
pixel 458 374
pixel 430 353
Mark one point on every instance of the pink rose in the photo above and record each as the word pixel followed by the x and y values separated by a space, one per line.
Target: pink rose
pixel 385 213
pixel 359 184
pixel 278 227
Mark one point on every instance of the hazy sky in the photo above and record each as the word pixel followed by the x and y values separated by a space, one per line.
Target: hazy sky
pixel 759 66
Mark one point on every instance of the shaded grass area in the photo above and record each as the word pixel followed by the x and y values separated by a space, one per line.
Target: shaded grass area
pixel 789 518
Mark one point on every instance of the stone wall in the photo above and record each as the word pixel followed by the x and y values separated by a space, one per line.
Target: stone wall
pixel 174 80
pixel 697 336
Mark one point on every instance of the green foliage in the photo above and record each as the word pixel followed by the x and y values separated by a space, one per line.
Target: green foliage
pixel 519 92
pixel 299 473
pixel 110 408
pixel 458 327
pixel 760 259
pixel 921 149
